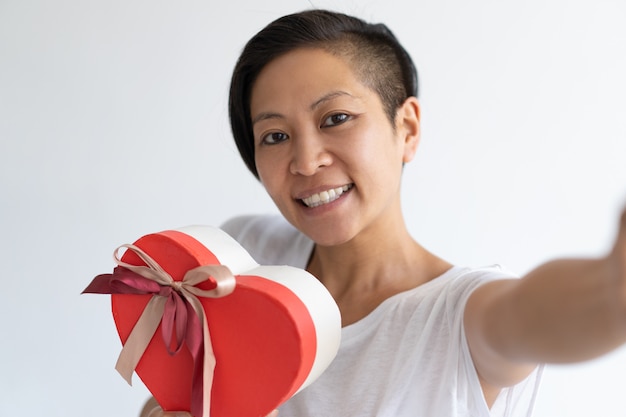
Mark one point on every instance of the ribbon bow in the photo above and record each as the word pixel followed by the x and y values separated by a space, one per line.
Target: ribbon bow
pixel 175 304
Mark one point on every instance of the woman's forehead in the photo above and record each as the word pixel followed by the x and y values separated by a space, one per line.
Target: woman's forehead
pixel 305 60
pixel 304 74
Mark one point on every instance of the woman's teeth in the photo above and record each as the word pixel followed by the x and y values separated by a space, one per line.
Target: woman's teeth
pixel 325 197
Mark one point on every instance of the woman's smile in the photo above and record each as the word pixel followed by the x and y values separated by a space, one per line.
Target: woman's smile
pixel 325 197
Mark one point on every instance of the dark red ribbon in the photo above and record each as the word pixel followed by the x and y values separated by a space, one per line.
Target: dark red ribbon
pixel 173 304
pixel 178 314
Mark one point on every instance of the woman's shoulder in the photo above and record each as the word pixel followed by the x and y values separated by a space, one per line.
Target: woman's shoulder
pixel 270 239
pixel 450 290
pixel 461 281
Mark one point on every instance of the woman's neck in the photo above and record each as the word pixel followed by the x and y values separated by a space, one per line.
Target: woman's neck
pixel 370 268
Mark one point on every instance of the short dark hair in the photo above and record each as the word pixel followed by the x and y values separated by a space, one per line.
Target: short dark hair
pixel 373 51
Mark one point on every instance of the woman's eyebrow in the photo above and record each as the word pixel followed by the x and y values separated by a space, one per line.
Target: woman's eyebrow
pixel 330 96
pixel 266 116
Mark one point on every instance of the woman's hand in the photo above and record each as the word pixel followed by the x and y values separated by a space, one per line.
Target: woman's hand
pixel 153 409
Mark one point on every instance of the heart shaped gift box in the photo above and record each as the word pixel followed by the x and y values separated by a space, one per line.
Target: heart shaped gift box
pixel 272 336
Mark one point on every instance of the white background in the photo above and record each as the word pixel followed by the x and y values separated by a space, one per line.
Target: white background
pixel 113 124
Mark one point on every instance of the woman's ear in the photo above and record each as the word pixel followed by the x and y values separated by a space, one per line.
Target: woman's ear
pixel 409 127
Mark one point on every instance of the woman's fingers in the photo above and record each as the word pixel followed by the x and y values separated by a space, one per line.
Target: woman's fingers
pixel 152 409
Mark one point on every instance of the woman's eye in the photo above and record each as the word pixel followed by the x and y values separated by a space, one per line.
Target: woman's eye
pixel 335 119
pixel 274 137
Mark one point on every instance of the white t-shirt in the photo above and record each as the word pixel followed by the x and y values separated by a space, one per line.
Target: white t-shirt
pixel 407 358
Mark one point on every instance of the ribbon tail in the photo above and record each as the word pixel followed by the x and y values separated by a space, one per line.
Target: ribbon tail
pixel 209 368
pixel 140 337
pixel 99 285
pixel 204 363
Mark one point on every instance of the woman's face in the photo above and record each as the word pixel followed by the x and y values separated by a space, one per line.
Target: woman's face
pixel 324 148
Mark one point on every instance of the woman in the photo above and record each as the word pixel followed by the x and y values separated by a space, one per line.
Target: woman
pixel 324 111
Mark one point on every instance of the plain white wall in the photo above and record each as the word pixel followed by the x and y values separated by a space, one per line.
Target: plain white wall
pixel 113 124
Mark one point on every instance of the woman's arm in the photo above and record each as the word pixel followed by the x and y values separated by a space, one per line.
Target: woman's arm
pixel 564 311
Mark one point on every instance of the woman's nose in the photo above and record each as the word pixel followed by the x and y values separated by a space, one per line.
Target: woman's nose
pixel 308 155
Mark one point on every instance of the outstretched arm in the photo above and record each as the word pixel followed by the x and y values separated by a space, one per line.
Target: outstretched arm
pixel 564 311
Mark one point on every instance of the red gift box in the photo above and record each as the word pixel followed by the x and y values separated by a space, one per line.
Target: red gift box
pixel 271 336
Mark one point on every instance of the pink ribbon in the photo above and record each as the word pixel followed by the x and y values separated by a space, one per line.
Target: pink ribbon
pixel 175 304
